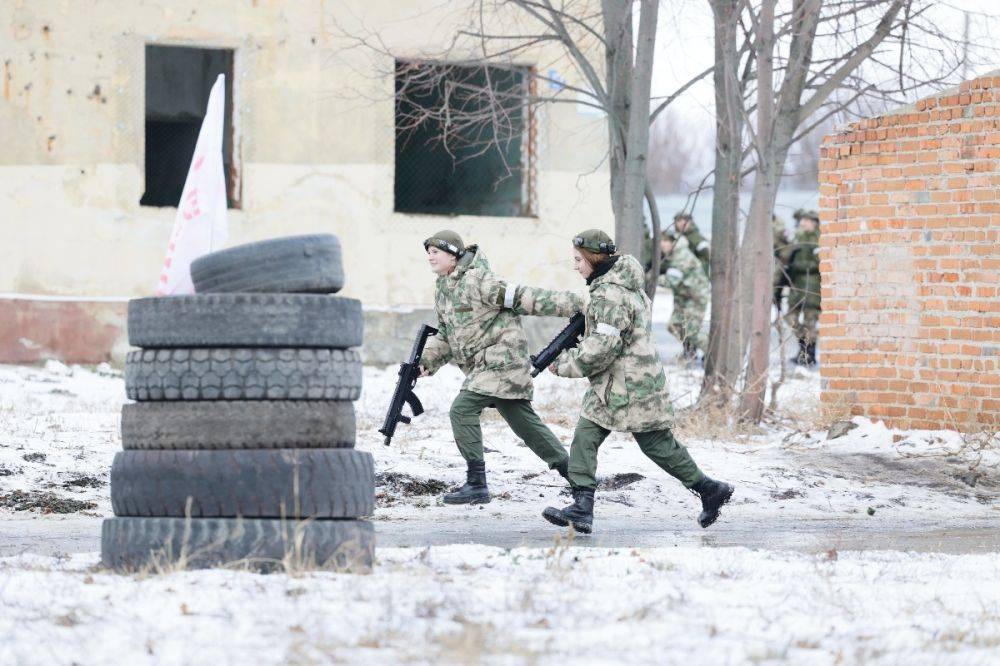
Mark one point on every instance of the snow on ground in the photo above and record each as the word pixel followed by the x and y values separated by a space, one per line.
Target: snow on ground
pixel 780 472
pixel 458 603
pixel 474 604
pixel 60 430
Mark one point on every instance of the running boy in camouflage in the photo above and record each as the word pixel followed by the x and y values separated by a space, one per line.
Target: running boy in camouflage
pixel 628 388
pixel 479 329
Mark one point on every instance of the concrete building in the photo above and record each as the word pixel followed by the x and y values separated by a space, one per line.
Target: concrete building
pixel 98 104
pixel 910 251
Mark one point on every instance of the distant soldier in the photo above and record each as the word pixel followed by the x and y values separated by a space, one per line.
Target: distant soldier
pixel 783 248
pixel 685 277
pixel 697 243
pixel 804 294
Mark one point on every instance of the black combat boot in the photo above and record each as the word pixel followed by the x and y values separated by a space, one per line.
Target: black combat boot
pixel 690 351
pixel 713 495
pixel 563 469
pixel 474 491
pixel 580 513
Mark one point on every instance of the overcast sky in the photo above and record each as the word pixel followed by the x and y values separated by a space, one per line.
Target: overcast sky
pixel 685 45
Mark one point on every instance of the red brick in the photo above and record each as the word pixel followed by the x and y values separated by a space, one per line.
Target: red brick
pixel 911 269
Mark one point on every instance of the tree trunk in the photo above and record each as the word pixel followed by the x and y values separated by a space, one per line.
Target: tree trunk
pixel 655 257
pixel 723 359
pixel 631 234
pixel 776 125
pixel 617 17
pixel 756 255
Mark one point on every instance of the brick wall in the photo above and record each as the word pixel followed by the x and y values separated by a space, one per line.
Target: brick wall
pixel 910 207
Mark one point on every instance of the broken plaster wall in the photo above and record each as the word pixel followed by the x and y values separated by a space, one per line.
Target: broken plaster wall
pixel 314 133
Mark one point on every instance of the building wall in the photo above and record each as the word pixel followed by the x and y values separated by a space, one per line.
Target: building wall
pixel 910 258
pixel 314 129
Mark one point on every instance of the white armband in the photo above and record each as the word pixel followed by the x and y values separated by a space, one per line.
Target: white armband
pixel 607 329
pixel 675 273
pixel 508 296
pixel 815 250
pixel 702 245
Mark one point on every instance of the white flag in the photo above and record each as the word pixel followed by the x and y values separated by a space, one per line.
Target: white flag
pixel 200 226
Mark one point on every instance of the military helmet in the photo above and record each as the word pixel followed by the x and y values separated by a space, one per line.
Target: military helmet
pixel 810 215
pixel 448 241
pixel 798 214
pixel 683 215
pixel 595 240
pixel 668 235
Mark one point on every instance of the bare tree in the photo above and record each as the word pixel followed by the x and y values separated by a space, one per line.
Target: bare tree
pixel 780 70
pixel 614 64
pixel 809 60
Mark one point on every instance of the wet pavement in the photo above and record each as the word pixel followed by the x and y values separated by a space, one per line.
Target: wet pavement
pixel 59 536
pixel 805 536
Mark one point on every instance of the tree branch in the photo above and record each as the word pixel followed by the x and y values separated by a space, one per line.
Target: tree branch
pixel 859 56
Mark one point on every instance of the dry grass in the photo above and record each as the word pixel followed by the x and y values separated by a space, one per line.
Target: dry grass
pixel 712 421
pixel 479 642
pixel 978 451
pixel 808 413
pixel 296 561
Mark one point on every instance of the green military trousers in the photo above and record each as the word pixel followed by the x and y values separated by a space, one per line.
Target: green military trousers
pixel 806 328
pixel 685 322
pixel 659 445
pixel 518 414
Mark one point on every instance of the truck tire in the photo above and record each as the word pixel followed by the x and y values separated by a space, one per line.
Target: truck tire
pixel 239 424
pixel 167 544
pixel 294 264
pixel 242 374
pixel 245 320
pixel 273 483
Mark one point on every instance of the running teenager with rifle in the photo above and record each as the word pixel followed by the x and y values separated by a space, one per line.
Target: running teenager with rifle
pixel 480 331
pixel 628 388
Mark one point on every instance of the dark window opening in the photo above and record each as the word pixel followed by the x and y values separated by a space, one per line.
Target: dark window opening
pixel 464 140
pixel 178 81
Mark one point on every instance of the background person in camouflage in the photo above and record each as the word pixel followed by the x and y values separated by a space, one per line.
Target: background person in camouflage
pixel 479 329
pixel 783 248
pixel 699 245
pixel 804 293
pixel 684 276
pixel 628 389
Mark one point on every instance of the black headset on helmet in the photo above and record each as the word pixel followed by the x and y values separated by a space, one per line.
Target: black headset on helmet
pixel 595 246
pixel 441 244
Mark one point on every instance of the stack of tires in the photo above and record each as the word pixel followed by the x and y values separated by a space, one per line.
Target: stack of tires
pixel 239 448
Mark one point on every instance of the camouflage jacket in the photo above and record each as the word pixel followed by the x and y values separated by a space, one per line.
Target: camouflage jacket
pixel 480 330
pixel 628 389
pixel 684 275
pixel 803 270
pixel 699 246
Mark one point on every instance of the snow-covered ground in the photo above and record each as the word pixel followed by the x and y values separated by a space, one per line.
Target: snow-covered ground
pixel 474 604
pixel 459 603
pixel 60 431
